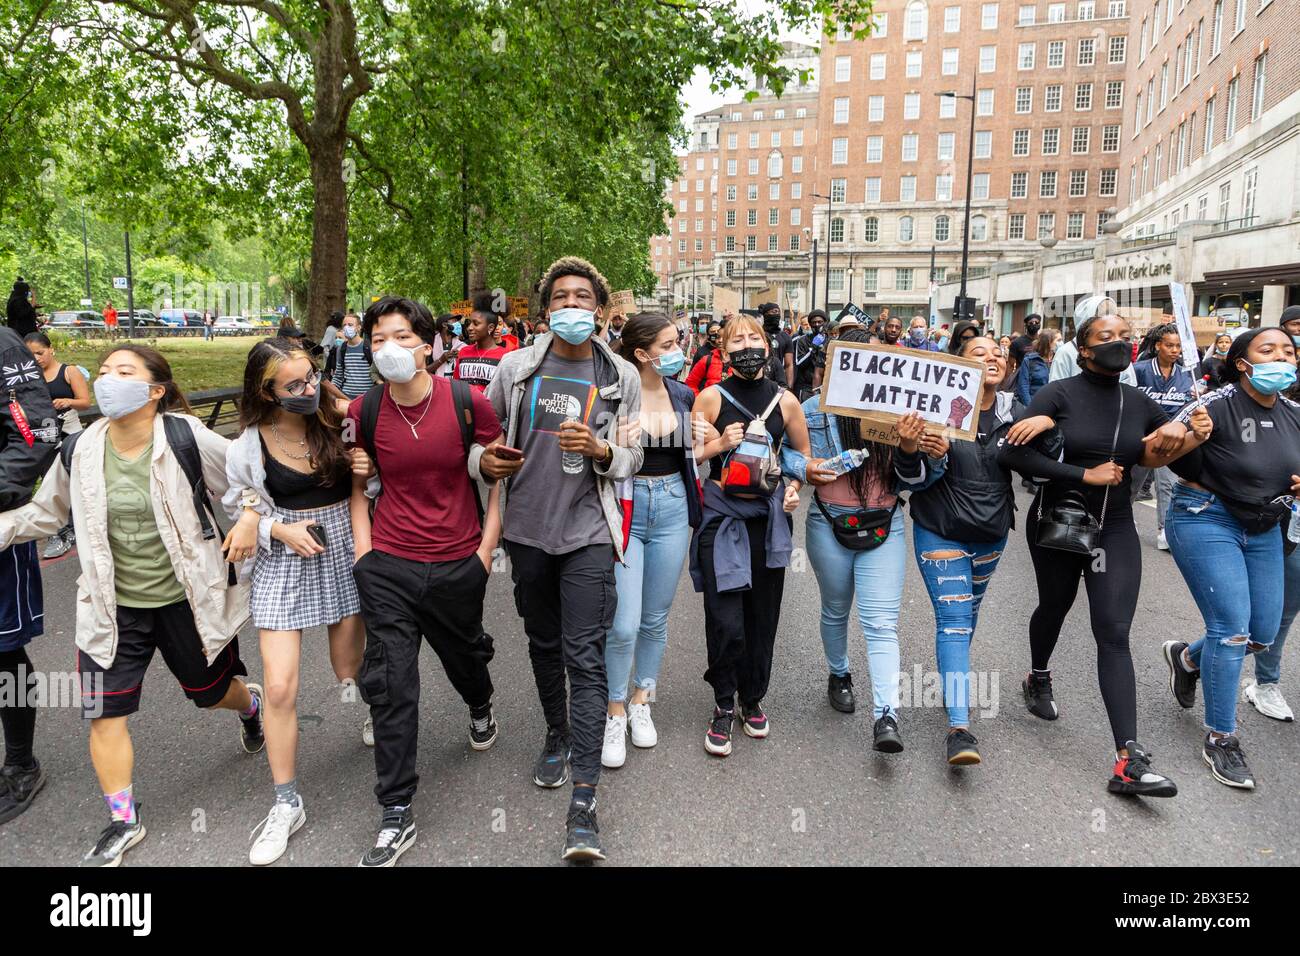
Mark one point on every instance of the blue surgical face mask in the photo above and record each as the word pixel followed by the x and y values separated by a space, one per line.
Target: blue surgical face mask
pixel 573 325
pixel 1295 340
pixel 1269 378
pixel 670 363
pixel 455 329
pixel 349 332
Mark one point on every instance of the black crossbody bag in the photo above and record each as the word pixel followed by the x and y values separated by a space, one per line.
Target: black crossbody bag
pixel 1069 525
pixel 859 530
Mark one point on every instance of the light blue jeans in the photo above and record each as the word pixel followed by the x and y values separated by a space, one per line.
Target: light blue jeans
pixel 1236 580
pixel 646 582
pixel 1268 662
pixel 956 587
pixel 876 576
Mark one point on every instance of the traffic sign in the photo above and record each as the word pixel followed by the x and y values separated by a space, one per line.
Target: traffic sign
pixel 119 282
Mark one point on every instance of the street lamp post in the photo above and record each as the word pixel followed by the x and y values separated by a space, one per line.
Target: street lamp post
pixel 695 288
pixel 829 208
pixel 744 273
pixel 812 284
pixel 970 167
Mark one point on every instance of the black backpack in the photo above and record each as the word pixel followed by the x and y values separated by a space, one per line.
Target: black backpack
pixel 180 439
pixel 462 397
pixel 337 360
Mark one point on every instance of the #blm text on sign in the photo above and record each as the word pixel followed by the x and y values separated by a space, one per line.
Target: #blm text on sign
pixel 881 383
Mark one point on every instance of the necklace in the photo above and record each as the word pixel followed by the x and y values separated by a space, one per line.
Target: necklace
pixel 411 424
pixel 285 446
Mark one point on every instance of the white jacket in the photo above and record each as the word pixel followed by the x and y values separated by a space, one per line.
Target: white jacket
pixel 219 609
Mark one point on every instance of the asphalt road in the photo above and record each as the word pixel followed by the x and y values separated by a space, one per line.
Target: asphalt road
pixel 812 793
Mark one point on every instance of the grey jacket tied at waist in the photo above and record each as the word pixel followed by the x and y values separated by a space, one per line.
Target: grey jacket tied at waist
pixel 731 558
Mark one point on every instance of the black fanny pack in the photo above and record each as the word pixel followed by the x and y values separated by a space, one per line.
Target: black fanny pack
pixel 860 530
pixel 1069 525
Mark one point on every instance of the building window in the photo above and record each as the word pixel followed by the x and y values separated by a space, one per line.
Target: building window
pixel 1230 120
pixel 1046 225
pixel 1257 98
pixel 1051 141
pixel 1151 98
pixel 1047 184
pixel 1248 195
pixel 870 229
pixel 1087 51
pixel 1055 54
pixel 753 141
pixel 1144 174
pixel 771 243
pixel 1110 139
pixel 1109 182
pixel 730 246
pixel 796 189
pixel 1019 185
pixel 880 24
pixel 774 191
pixel 903 280
pixel 1209 124
pixel 984 103
pixel 731 141
pixel 794 242
pixel 752 165
pixel 989 16
pixel 911 106
pixel 876 109
pixel 1116 9
pixel 841 109
pixel 843 68
pixel 875 149
pixel 1225 194
pixel 751 217
pixel 914 21
pixel 979 228
pixel 942 228
pixel 839 151
pixel 947 107
pixel 1024 99
pixel 1118 49
pixel 796 216
pixel 951 19
pixel 1026 15
pixel 1086 8
pixel 983 144
pixel 907 189
pixel 1240 21
pixel 1020 142
pixel 873 189
pixel 778 114
pixel 905 229
pixel 877 68
pixel 1025 56
pixel 731 167
pixel 946 144
pixel 796 165
pixel 798 137
pixel 1083 97
pixel 943 188
pixel 980 186
pixel 774 164
pixel 731 218
pixel 839 190
pixel 1164 84
pixel 837 229
pixel 1216 29
pixel 910 141
pixel 869 278
pixel 914 64
pixel 1078 182
pixel 758 116
pixel 835 280
pixel 1187 61
pixel 988 59
pixel 1056 13
pixel 1052 98
pixel 774 217
pixel 1202 205
pixel 1115 94
pixel 1081 139
pixel 1074 226
pixel 731 193
pixel 949 66
pixel 751 192
pixel 1016 226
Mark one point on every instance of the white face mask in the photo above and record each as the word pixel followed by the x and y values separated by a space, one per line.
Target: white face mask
pixel 118 397
pixel 396 363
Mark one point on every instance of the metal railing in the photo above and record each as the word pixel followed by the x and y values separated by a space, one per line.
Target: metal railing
pixel 1152 240
pixel 155 331
pixel 218 408
pixel 1228 225
pixel 1070 255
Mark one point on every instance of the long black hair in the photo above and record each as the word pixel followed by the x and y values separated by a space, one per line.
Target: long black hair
pixel 880 457
pixel 1149 341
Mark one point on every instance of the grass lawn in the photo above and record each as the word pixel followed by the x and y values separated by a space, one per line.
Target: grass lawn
pixel 196 365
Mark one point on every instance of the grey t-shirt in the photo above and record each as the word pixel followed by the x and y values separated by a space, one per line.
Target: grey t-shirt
pixel 547 507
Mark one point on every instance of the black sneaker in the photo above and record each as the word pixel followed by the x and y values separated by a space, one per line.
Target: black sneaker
pixel 887 738
pixel 582 842
pixel 962 751
pixel 1228 762
pixel 753 721
pixel 1038 695
pixel 482 729
pixel 396 834
pixel 840 692
pixel 717 740
pixel 18 788
pixel 115 839
pixel 1133 775
pixel 250 728
pixel 552 768
pixel 1182 682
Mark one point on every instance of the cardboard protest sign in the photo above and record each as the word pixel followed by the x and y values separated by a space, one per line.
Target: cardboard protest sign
pixel 622 303
pixel 519 307
pixel 857 313
pixel 881 383
pixel 724 301
pixel 463 307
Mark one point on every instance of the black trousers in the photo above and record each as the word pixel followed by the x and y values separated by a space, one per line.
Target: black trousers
pixel 740 626
pixel 567 602
pixel 19 718
pixel 1113 577
pixel 402 601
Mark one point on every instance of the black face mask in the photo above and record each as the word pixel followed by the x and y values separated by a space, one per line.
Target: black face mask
pixel 771 323
pixel 1032 328
pixel 748 363
pixel 1112 357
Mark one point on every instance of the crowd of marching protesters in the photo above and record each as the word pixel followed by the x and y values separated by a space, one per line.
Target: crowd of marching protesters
pixel 374 476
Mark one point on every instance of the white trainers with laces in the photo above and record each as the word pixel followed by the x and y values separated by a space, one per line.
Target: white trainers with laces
pixel 614 753
pixel 368 732
pixel 282 822
pixel 1268 700
pixel 643 728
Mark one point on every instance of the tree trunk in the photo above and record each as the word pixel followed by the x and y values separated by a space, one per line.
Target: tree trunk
pixel 328 284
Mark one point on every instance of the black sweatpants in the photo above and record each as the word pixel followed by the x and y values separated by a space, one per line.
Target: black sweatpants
pixel 567 602
pixel 1113 578
pixel 401 601
pixel 740 626
pixel 19 718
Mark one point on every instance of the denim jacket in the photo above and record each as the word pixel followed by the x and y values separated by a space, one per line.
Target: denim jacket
pixel 824 439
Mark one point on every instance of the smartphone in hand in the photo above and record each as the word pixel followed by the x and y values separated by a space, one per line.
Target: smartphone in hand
pixel 318 532
pixel 508 453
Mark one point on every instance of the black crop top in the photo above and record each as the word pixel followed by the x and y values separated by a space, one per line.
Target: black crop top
pixel 755 396
pixel 294 491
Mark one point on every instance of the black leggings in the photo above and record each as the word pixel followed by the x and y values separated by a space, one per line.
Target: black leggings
pixel 1112 578
pixel 19 720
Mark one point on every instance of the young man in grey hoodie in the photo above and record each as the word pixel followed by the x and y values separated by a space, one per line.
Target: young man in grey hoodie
pixel 562 400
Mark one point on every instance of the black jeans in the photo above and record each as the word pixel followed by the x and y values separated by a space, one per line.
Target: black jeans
pixel 18 718
pixel 401 601
pixel 567 602
pixel 740 626
pixel 1113 578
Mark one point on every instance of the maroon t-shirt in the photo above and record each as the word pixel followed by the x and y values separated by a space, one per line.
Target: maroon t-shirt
pixel 426 509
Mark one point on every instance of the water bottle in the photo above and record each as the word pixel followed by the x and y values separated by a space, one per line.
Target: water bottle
pixel 845 461
pixel 571 461
pixel 1293 529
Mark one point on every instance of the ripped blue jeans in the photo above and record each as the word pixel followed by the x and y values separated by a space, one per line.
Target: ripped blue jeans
pixel 956 586
pixel 1237 581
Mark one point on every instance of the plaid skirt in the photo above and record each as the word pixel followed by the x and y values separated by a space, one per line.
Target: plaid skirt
pixel 291 593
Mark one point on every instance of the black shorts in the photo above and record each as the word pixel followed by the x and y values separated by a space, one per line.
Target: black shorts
pixel 115 692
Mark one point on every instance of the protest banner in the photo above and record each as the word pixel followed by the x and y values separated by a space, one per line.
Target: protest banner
pixel 519 307
pixel 857 313
pixel 622 303
pixel 724 301
pixel 1183 319
pixel 881 383
pixel 461 308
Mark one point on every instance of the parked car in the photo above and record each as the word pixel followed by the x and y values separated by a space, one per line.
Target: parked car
pixel 232 323
pixel 144 319
pixel 77 320
pixel 1231 311
pixel 181 318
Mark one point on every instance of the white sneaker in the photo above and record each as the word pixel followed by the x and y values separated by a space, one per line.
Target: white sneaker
pixel 615 750
pixel 643 728
pixel 281 823
pixel 368 733
pixel 1268 700
pixel 1161 543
